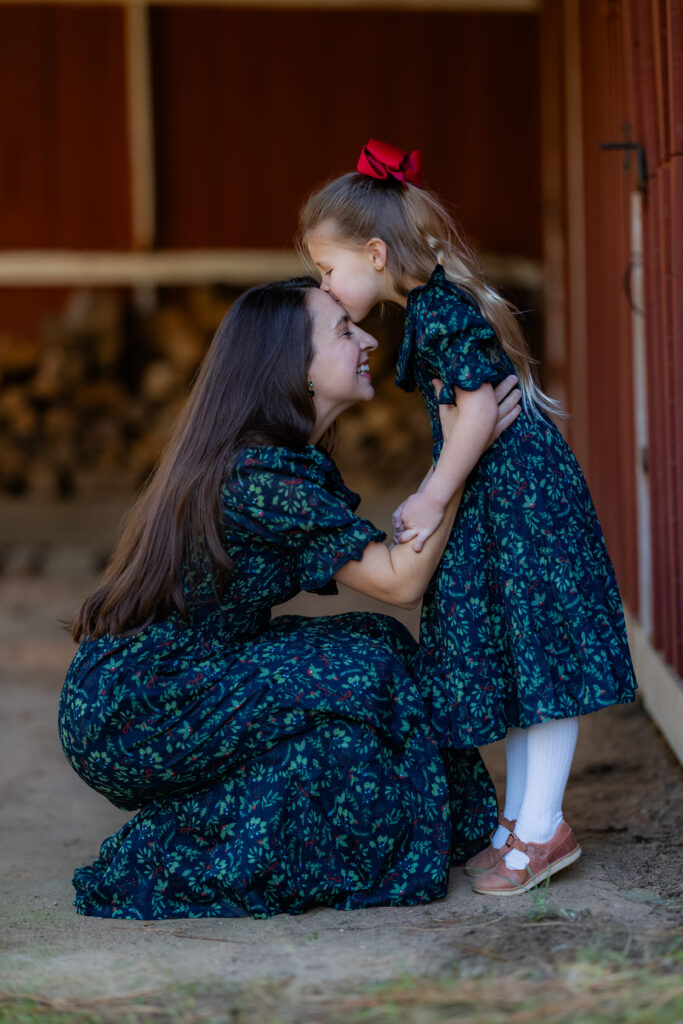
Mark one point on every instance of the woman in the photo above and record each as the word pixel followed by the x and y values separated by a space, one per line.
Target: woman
pixel 278 765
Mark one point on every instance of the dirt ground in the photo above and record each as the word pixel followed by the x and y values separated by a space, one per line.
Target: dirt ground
pixel 615 914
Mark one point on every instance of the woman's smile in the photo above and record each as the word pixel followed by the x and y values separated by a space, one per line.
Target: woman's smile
pixel 339 371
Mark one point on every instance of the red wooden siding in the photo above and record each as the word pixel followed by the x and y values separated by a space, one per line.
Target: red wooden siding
pixel 254 108
pixel 630 63
pixel 656 39
pixel 64 162
pixel 609 365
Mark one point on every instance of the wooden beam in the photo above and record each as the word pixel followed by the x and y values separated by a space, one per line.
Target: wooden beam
pixel 475 6
pixel 32 268
pixel 59 269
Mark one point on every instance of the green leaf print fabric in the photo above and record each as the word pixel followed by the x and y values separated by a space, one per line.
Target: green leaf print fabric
pixel 274 765
pixel 522 621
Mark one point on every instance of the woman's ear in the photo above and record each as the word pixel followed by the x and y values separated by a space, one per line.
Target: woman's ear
pixel 377 253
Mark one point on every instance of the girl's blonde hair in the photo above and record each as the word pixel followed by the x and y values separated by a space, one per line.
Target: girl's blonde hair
pixel 418 232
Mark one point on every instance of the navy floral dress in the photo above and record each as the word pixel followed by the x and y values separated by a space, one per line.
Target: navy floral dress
pixel 522 621
pixel 277 765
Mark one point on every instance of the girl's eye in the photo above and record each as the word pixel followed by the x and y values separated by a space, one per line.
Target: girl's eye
pixel 326 273
pixel 346 333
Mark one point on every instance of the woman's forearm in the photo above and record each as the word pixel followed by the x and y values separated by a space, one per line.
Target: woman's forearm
pixel 399 575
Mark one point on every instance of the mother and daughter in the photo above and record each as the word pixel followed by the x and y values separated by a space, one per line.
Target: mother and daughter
pixel 285 763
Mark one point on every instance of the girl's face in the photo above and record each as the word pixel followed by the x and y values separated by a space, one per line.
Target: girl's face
pixel 339 369
pixel 355 277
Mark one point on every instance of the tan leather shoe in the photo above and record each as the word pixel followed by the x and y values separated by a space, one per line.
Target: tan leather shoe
pixel 489 856
pixel 545 859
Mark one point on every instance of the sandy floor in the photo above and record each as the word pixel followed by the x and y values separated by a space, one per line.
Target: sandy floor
pixel 624 800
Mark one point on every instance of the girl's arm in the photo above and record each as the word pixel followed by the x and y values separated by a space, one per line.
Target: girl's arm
pixel 507 396
pixel 400 575
pixel 474 430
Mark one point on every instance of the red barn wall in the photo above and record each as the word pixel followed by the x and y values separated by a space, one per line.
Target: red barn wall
pixel 255 108
pixel 622 61
pixel 64 166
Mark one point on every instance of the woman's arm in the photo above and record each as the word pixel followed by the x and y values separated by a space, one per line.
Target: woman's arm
pixel 399 575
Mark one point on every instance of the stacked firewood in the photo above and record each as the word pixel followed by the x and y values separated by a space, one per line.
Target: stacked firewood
pixel 86 407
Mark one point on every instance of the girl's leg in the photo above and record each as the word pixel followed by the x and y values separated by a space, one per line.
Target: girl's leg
pixel 516 759
pixel 550 749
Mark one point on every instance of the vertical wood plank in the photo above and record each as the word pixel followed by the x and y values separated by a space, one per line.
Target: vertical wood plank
pixel 676 383
pixel 140 125
pixel 553 201
pixel 576 242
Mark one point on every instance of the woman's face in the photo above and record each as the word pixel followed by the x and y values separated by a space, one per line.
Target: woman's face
pixel 339 369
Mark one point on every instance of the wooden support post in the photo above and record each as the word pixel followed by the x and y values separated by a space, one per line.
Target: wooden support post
pixel 576 237
pixel 140 126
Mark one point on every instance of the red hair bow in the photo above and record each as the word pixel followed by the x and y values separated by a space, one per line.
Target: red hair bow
pixel 380 160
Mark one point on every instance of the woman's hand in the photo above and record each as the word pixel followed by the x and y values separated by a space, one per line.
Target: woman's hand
pixel 508 397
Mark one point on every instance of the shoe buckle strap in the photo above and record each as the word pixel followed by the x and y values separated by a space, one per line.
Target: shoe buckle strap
pixel 513 842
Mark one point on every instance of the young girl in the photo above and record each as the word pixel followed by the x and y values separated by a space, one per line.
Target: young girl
pixel 522 626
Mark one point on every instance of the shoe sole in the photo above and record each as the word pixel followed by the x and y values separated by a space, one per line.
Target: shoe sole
pixel 537 880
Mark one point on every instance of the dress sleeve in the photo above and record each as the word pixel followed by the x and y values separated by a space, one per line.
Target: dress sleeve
pixel 454 340
pixel 297 502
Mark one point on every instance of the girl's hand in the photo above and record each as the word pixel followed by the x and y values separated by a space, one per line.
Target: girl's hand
pixel 397 515
pixel 397 523
pixel 420 517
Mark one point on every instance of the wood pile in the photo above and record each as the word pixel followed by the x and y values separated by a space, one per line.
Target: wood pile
pixel 86 407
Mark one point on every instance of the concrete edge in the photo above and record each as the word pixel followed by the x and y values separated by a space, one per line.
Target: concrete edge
pixel 660 687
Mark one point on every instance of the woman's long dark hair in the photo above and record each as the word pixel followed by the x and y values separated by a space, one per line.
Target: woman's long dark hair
pixel 251 389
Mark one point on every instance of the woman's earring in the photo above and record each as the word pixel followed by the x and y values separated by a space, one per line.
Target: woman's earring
pixel 310 388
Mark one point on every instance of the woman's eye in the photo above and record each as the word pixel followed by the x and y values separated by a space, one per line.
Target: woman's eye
pixel 327 273
pixel 346 333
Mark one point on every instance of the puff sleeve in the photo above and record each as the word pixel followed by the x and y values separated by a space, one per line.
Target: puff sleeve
pixel 449 338
pixel 297 502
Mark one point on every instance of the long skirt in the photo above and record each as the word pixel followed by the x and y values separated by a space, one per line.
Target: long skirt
pixel 295 770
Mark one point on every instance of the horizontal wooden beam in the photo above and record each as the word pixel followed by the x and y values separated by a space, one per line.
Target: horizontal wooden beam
pixel 32 268
pixel 35 268
pixel 480 6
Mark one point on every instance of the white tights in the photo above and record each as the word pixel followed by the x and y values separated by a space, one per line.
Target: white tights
pixel 538 763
